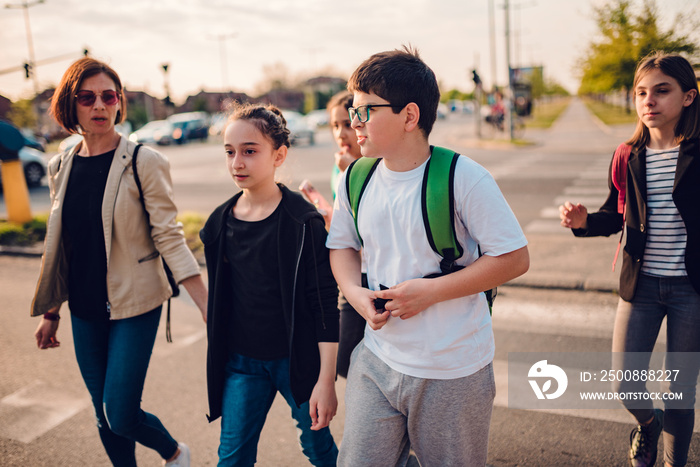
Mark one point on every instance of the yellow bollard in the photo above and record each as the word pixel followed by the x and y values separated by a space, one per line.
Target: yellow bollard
pixel 15 191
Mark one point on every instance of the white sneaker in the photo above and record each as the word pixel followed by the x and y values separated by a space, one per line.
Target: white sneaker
pixel 182 460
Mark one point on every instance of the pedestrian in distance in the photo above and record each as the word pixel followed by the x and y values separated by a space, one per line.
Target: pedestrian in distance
pixel 273 316
pixel 102 254
pixel 660 276
pixel 343 134
pixel 423 375
pixel 352 324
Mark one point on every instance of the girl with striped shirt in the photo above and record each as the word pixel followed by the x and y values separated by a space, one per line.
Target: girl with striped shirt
pixel 660 275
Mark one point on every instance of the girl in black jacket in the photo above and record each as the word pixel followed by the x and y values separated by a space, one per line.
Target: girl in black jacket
pixel 272 316
pixel 660 274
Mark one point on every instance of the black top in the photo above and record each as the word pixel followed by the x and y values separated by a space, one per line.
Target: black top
pixel 83 236
pixel 309 294
pixel 257 323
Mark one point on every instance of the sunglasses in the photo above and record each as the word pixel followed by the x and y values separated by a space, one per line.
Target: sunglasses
pixel 88 98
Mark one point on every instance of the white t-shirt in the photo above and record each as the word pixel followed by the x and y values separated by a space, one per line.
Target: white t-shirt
pixel 453 338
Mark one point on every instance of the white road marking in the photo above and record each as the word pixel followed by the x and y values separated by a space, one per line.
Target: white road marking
pixel 35 409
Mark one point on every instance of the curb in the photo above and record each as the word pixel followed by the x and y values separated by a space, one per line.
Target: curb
pixel 34 251
pixel 532 280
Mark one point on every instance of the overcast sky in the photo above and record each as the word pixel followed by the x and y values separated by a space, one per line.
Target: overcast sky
pixel 136 36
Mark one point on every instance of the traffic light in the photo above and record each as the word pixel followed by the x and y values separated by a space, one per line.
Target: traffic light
pixel 476 78
pixel 27 70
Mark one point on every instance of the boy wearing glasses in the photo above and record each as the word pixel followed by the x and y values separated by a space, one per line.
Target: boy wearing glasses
pixel 423 376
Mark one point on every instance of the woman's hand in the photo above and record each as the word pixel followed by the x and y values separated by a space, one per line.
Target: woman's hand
pixel 45 333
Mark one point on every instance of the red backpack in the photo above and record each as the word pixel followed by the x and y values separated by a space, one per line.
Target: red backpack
pixel 619 179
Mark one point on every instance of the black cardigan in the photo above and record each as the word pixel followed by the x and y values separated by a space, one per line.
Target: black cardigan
pixel 309 294
pixel 686 193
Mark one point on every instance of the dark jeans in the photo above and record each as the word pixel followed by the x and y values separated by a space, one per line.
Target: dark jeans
pixel 250 388
pixel 637 325
pixel 113 357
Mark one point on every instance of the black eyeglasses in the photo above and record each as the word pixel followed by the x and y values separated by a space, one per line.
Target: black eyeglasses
pixel 88 98
pixel 362 112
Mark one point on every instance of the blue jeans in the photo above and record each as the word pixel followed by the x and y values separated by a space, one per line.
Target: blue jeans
pixel 113 357
pixel 250 389
pixel 637 325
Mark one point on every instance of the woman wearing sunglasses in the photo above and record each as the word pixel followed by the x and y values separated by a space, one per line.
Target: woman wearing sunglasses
pixel 102 255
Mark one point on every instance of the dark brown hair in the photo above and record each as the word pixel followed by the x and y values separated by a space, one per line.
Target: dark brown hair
pixel 681 70
pixel 400 77
pixel 63 99
pixel 268 119
pixel 343 98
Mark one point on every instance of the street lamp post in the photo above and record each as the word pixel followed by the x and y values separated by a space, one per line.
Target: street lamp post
pixel 224 63
pixel 32 62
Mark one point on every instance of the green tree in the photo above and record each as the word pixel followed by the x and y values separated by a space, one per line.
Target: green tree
pixel 627 37
pixel 22 114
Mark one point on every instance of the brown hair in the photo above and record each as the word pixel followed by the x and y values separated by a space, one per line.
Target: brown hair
pixel 343 98
pixel 681 70
pixel 400 77
pixel 268 119
pixel 63 99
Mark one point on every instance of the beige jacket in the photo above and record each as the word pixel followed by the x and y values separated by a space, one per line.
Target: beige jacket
pixel 136 281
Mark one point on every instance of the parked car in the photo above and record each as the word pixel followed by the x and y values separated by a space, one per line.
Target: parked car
pixel 298 127
pixel 158 132
pixel 317 118
pixel 189 126
pixel 31 140
pixel 217 124
pixel 33 165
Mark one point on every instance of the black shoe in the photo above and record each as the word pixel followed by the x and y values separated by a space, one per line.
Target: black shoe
pixel 644 441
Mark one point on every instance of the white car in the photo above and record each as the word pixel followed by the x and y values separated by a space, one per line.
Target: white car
pixel 33 165
pixel 298 127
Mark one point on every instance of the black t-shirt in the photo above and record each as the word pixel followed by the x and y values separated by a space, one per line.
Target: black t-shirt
pixel 83 236
pixel 257 325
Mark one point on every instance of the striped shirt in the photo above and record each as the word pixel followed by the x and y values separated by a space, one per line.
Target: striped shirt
pixel 664 254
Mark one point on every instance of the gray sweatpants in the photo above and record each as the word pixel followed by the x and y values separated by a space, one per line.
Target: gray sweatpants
pixel 446 422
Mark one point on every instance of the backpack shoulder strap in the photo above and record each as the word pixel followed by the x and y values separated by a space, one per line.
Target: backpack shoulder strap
pixel 619 174
pixel 356 180
pixel 136 178
pixel 437 205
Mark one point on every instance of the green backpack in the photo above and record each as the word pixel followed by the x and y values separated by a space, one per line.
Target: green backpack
pixel 437 206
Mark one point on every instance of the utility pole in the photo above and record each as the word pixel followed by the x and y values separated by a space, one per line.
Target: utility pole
pixel 224 62
pixel 30 67
pixel 509 93
pixel 166 84
pixel 492 42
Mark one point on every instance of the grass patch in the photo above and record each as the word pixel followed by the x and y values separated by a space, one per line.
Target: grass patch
pixel 610 114
pixel 545 114
pixel 192 223
pixel 34 231
pixel 26 234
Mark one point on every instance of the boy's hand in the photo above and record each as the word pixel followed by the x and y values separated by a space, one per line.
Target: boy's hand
pixel 408 298
pixel 362 300
pixel 322 404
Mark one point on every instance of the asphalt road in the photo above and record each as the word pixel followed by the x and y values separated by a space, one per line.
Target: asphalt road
pixel 45 416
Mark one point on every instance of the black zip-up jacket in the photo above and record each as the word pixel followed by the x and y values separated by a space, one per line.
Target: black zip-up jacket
pixel 686 193
pixel 309 294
